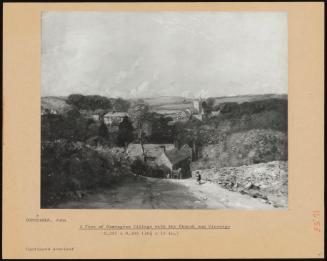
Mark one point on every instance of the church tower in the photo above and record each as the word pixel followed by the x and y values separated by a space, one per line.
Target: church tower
pixel 197 104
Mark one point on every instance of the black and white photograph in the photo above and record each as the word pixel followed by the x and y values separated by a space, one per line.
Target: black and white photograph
pixel 164 110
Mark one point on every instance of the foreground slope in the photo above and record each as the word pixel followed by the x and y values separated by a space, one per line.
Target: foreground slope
pixel 151 193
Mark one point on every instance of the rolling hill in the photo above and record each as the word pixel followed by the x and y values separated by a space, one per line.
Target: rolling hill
pixel 248 98
pixel 165 104
pixel 55 103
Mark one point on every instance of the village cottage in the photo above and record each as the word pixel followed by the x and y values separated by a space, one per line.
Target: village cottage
pixel 176 162
pixel 114 118
pixel 45 111
pixel 151 151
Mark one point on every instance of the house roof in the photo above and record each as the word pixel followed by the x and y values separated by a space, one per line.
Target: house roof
pixel 176 155
pixel 150 150
pixel 100 112
pixel 116 114
pixel 134 149
pixel 155 150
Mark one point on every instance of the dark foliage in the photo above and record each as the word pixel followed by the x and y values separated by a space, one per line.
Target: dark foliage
pixel 263 114
pixel 138 167
pixel 125 133
pixel 188 133
pixel 121 105
pixel 74 127
pixel 103 131
pixel 209 105
pixel 70 126
pixel 89 102
pixel 68 167
pixel 162 132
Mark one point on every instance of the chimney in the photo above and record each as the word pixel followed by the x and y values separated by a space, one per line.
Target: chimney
pixel 163 148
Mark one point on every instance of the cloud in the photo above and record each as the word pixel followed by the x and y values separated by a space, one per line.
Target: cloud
pixel 129 73
pixel 136 64
pixel 121 75
pixel 155 76
pixel 202 93
pixel 140 91
pixel 187 94
pixel 135 54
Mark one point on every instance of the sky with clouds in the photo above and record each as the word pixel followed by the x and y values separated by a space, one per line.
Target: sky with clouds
pixel 148 54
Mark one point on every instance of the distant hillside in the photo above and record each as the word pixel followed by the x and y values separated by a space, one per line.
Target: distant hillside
pixel 174 104
pixel 169 104
pixel 54 103
pixel 166 104
pixel 248 98
pixel 166 100
pixel 259 114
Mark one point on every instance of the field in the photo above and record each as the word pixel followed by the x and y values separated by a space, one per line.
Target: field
pixel 248 98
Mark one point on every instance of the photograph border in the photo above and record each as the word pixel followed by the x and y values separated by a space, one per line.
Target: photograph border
pixel 28 230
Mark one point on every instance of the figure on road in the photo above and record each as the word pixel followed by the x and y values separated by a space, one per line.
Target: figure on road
pixel 198 177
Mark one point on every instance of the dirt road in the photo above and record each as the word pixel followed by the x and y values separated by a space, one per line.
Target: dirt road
pixel 151 193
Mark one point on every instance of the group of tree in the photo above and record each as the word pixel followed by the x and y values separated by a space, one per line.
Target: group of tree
pixel 70 125
pixel 250 107
pixel 162 131
pixel 68 167
pixel 208 105
pixel 96 102
pixel 125 133
pixel 188 133
pixel 120 104
pixel 73 126
pixel 261 114
pixel 132 129
pixel 89 102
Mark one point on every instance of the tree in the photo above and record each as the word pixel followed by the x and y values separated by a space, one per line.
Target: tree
pixel 210 102
pixel 92 130
pixel 204 106
pixel 121 105
pixel 161 130
pixel 125 133
pixel 138 167
pixel 75 99
pixel 138 113
pixel 188 133
pixel 103 131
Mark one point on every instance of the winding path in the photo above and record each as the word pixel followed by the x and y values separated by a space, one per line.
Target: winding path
pixel 152 193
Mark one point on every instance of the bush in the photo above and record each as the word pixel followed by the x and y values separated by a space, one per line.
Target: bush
pixel 71 125
pixel 125 133
pixel 138 167
pixel 67 167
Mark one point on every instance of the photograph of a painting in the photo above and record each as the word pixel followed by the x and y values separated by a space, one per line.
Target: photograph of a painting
pixel 164 110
